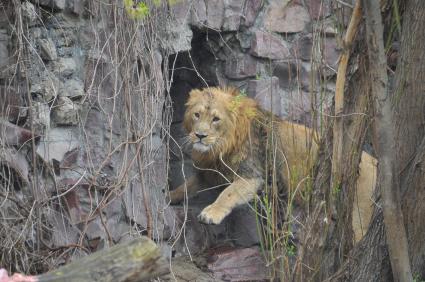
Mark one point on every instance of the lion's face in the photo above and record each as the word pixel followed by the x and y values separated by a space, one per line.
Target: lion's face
pixel 209 121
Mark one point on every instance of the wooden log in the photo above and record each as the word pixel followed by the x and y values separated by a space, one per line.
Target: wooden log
pixel 136 260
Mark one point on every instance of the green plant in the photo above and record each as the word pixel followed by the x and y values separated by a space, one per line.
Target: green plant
pixel 136 10
pixel 417 278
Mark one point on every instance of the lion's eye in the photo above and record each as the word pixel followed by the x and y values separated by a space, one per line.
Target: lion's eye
pixel 196 115
pixel 216 119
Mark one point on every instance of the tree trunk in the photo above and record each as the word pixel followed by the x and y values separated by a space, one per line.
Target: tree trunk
pixel 328 237
pixel 369 260
pixel 410 129
pixel 385 144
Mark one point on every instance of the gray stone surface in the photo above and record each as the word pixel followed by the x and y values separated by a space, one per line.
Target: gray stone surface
pixel 55 4
pixel 40 116
pixel 45 86
pixel 287 73
pixel 267 45
pixel 208 14
pixel 199 13
pixel 215 14
pixel 179 32
pixel 72 88
pixel 47 49
pixel 29 13
pixel 57 142
pixel 65 112
pixel 65 67
pixel 302 48
pixel 233 14
pixel 12 105
pixel 4 53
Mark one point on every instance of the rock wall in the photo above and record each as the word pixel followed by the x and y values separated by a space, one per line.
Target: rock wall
pixel 84 116
pixel 87 95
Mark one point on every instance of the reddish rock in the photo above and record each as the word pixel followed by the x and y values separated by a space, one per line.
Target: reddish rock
pixel 267 45
pixel 331 52
pixel 266 92
pixel 251 10
pixel 242 67
pixel 70 158
pixel 238 265
pixel 13 135
pixel 286 18
pixel 318 9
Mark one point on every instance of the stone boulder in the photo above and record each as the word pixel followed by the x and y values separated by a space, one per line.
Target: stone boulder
pixel 251 10
pixel 241 67
pixel 266 92
pixel 269 46
pixel 65 112
pixel 286 18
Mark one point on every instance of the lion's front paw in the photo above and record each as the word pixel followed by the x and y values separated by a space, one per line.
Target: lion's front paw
pixel 213 214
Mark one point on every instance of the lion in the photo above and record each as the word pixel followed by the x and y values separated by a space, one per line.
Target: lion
pixel 231 134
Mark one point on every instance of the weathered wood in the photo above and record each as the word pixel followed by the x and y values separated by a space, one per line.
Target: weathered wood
pixel 136 260
pixel 338 128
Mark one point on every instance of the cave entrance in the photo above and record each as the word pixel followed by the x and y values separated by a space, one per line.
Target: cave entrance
pixel 192 69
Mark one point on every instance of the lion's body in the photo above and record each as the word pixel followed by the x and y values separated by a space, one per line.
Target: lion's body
pixel 238 144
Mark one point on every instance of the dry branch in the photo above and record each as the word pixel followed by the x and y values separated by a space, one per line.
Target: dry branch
pixel 338 126
pixel 385 142
pixel 136 260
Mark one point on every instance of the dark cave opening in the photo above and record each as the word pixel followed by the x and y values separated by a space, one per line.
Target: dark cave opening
pixel 201 67
pixel 188 70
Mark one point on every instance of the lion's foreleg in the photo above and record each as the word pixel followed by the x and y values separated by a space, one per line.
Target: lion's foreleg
pixel 238 193
pixel 190 187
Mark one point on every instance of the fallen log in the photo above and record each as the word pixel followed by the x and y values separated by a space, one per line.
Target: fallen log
pixel 136 260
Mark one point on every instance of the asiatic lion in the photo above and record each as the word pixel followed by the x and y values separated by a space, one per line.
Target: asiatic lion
pixel 230 135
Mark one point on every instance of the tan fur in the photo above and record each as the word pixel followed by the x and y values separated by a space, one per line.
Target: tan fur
pixel 232 147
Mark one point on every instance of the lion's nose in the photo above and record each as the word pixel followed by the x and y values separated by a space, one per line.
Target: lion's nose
pixel 200 135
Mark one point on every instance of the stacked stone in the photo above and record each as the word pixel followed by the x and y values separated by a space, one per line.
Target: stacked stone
pixel 269 49
pixel 60 92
